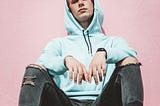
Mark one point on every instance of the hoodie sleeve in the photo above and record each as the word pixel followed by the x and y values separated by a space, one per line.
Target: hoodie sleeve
pixel 51 57
pixel 119 50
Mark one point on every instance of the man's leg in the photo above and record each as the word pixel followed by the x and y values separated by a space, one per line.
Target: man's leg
pixel 124 87
pixel 38 89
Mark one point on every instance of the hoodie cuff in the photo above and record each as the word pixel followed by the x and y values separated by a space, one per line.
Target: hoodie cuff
pixel 115 55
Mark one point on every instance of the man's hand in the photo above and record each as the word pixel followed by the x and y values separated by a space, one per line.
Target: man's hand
pixel 98 66
pixel 79 70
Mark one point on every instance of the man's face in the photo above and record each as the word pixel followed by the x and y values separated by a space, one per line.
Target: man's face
pixel 82 10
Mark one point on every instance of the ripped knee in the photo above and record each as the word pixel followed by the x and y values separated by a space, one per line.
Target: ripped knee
pixel 29 80
pixel 128 60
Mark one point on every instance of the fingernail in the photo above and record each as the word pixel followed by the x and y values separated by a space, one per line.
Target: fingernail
pixel 87 80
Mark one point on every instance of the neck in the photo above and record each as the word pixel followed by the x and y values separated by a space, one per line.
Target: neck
pixel 86 23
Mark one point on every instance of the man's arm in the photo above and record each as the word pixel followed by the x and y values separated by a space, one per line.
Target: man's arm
pixel 120 54
pixel 119 50
pixel 51 57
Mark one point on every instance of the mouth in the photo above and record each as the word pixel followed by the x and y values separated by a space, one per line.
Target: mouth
pixel 82 10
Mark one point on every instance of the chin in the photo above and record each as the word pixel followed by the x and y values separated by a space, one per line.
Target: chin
pixel 84 17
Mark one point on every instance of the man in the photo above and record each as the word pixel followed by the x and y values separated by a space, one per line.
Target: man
pixel 90 68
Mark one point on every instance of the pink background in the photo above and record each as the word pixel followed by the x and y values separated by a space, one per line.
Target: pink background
pixel 27 25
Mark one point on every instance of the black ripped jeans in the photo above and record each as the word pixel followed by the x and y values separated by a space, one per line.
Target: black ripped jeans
pixel 123 89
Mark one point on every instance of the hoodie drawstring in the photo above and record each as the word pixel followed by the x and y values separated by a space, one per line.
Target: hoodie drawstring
pixel 89 42
pixel 89 46
pixel 86 41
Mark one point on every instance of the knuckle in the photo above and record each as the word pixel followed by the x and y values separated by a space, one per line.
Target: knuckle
pixel 75 77
pixel 70 74
pixel 80 74
pixel 75 72
pixel 82 66
pixel 99 73
pixel 94 75
pixel 103 65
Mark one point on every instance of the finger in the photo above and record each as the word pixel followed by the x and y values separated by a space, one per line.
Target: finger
pixel 90 74
pixel 80 73
pixel 70 73
pixel 85 73
pixel 99 73
pixel 104 69
pixel 95 75
pixel 75 74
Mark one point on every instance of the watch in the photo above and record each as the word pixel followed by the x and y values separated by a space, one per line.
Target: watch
pixel 102 49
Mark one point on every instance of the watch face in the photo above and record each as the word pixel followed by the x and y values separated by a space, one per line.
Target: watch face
pixel 101 49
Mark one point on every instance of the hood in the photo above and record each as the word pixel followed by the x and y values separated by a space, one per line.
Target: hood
pixel 74 28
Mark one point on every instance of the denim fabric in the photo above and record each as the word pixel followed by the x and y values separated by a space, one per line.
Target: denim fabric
pixel 44 92
pixel 124 88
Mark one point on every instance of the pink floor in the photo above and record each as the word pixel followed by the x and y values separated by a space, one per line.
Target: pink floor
pixel 27 25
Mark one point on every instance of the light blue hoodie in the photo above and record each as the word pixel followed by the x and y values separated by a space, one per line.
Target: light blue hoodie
pixel 82 45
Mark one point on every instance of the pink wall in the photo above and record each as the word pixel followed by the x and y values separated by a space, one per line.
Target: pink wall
pixel 27 25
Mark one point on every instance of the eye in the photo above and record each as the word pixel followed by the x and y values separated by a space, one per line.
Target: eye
pixel 73 1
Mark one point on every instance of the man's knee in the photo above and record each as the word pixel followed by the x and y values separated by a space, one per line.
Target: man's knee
pixel 128 60
pixel 33 71
pixel 131 81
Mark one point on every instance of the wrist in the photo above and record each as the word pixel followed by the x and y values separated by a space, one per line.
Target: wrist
pixel 102 50
pixel 65 60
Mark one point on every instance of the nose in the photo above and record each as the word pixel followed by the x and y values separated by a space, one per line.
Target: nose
pixel 81 3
